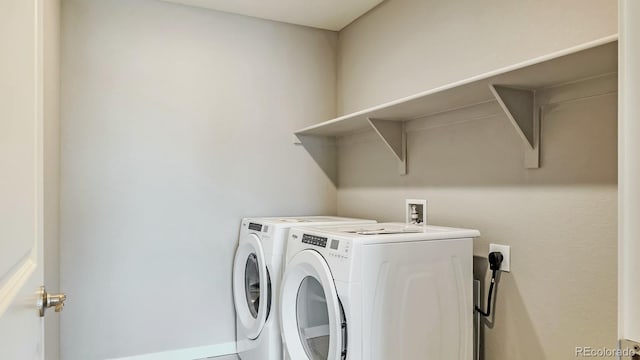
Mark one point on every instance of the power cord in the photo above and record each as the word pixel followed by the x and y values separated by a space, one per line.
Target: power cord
pixel 495 260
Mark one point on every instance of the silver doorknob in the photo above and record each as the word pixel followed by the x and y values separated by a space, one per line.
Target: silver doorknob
pixel 46 301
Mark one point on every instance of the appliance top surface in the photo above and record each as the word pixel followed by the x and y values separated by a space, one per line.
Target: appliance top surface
pixel 391 232
pixel 305 220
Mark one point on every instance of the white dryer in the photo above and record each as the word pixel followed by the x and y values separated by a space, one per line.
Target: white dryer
pixel 257 271
pixel 378 292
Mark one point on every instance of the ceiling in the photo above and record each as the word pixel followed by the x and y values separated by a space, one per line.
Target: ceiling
pixel 324 14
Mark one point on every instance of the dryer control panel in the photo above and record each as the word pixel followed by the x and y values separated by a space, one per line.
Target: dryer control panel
pixel 314 240
pixel 335 248
pixel 339 248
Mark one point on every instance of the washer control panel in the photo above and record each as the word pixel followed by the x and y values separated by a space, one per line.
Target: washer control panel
pixel 255 226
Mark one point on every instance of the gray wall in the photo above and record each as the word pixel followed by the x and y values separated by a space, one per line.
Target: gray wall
pixel 560 220
pixel 176 122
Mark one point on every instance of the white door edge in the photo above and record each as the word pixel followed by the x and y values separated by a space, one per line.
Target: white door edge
pixel 629 171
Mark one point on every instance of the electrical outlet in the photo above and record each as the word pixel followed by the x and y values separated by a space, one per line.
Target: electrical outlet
pixel 417 215
pixel 506 254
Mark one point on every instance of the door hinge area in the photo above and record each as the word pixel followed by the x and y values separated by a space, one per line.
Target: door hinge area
pixel 629 350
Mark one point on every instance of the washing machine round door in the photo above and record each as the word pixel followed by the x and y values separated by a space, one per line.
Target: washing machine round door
pixel 313 322
pixel 251 286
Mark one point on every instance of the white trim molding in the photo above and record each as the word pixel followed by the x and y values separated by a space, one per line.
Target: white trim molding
pixel 10 287
pixel 201 352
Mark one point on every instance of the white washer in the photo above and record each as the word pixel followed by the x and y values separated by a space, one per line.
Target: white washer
pixel 257 271
pixel 378 292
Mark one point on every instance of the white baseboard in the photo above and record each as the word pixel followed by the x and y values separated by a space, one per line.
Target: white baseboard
pixel 195 353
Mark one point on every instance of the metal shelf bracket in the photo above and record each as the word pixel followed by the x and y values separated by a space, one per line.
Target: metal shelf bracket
pixel 394 135
pixel 323 150
pixel 523 112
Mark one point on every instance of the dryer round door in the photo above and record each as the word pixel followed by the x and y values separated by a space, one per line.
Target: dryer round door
pixel 313 322
pixel 251 286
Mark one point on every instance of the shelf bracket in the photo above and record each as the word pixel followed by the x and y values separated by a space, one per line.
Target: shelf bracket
pixel 394 135
pixel 323 150
pixel 523 112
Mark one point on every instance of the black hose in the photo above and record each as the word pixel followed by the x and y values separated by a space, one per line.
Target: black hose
pixel 488 312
